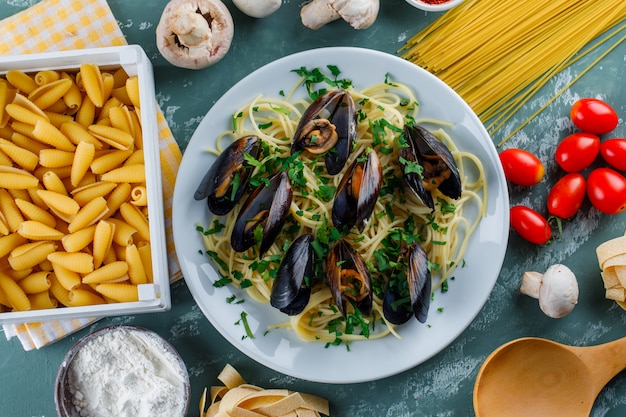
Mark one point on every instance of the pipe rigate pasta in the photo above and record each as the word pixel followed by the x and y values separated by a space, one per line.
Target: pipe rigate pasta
pixel 23 157
pixel 68 279
pixel 86 193
pixel 132 89
pixel 34 212
pixel 83 156
pixel 21 81
pixel 11 213
pixel 15 295
pixel 113 136
pixel 80 262
pixel 136 271
pixel 35 283
pixel 102 241
pixel 34 230
pixel 48 94
pixel 10 242
pixel 78 240
pixel 119 291
pixel 55 158
pixel 47 133
pixel 22 114
pixel 59 202
pixel 123 233
pixel 91 79
pixel 81 297
pixel 136 219
pixel 77 133
pixel 108 272
pixel 89 214
pixel 11 180
pixel 135 173
pixel 29 255
pixel 42 300
pixel 73 98
pixel 109 161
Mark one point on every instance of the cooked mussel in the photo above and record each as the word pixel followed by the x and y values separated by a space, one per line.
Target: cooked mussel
pixel 409 287
pixel 226 180
pixel 266 207
pixel 348 278
pixel 438 168
pixel 357 192
pixel 328 126
pixel 291 289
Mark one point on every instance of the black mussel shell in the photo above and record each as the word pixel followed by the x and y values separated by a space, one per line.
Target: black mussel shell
pixel 291 289
pixel 267 206
pixel 348 278
pixel 229 170
pixel 439 168
pixel 357 192
pixel 408 292
pixel 328 126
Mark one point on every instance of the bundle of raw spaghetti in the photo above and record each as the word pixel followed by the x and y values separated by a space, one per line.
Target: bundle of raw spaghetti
pixel 497 53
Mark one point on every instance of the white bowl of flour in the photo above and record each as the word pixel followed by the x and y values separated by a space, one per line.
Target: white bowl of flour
pixel 122 371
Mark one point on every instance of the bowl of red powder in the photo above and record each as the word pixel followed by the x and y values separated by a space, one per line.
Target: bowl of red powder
pixel 434 5
pixel 122 371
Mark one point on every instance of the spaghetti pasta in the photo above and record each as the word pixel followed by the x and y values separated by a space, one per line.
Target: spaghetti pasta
pixel 497 53
pixel 383 109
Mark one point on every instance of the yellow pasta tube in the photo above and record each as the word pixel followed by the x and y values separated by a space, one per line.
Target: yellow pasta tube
pixel 59 202
pixel 109 161
pixel 135 173
pixel 83 195
pixel 132 88
pixel 35 282
pixel 27 142
pixel 12 180
pixel 68 279
pixel 30 254
pixel 58 291
pixel 119 195
pixel 80 297
pixel 47 133
pixel 16 297
pixel 80 262
pixel 56 118
pixel 7 94
pixel 77 241
pixel 108 272
pixel 93 84
pixel 139 196
pixel 73 98
pixel 123 233
pixel 34 230
pixel 83 156
pixel 77 133
pixel 136 116
pixel 46 76
pixel 23 157
pixel 89 214
pixel 136 219
pixel 11 213
pixel 135 158
pixel 136 271
pixel 120 119
pixel 10 242
pixel 102 241
pixel 113 136
pixel 22 81
pixel 86 113
pixel 55 158
pixel 105 111
pixel 25 111
pixel 52 182
pixel 42 301
pixel 121 94
pixel 119 291
pixel 145 251
pixel 48 94
pixel 33 212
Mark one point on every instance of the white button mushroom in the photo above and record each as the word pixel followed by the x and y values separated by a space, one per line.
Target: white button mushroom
pixel 257 8
pixel 194 33
pixel 360 14
pixel 556 289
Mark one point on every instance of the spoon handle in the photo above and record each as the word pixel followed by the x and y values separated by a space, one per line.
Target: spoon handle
pixel 604 361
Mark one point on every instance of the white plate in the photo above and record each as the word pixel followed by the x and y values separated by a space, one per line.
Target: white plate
pixel 282 350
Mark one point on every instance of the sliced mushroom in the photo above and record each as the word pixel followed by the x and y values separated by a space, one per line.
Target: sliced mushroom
pixel 360 14
pixel 556 289
pixel 194 34
pixel 257 8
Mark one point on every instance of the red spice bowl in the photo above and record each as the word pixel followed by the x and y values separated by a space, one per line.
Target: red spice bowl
pixel 434 5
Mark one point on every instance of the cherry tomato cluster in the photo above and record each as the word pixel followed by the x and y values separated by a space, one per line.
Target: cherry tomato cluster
pixel 604 186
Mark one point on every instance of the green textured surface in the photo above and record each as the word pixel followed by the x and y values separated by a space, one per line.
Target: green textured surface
pixel 443 385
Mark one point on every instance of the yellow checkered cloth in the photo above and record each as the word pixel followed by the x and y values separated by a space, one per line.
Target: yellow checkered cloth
pixel 54 25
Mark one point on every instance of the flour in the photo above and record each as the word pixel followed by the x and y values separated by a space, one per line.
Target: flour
pixel 126 373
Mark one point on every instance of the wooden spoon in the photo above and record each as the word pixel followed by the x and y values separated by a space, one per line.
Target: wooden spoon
pixel 538 377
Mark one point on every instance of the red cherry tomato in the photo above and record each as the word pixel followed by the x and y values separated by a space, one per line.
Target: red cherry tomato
pixel 577 151
pixel 530 225
pixel 521 167
pixel 593 115
pixel 567 195
pixel 606 189
pixel 614 152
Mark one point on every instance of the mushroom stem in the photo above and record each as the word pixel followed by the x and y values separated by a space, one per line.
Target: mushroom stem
pixel 531 282
pixel 360 14
pixel 317 13
pixel 192 29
